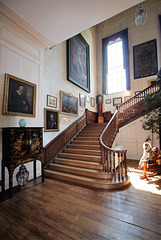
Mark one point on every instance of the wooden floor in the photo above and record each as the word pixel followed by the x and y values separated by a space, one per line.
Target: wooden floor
pixel 57 210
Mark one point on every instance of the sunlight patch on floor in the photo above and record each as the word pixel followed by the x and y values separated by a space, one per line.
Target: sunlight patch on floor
pixel 151 184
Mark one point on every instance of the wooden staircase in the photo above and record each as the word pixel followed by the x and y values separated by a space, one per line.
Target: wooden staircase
pixel 83 153
pixel 80 161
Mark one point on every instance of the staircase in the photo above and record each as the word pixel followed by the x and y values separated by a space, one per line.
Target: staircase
pixel 80 161
pixel 83 153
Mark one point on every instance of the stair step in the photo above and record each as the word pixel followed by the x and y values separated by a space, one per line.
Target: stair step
pixel 78 163
pixel 83 151
pixel 81 157
pixel 83 146
pixel 80 171
pixel 96 143
pixel 85 181
pixel 89 135
pixel 95 130
pixel 88 138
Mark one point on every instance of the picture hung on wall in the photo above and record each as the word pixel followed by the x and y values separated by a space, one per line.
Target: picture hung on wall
pixel 108 101
pixel 51 101
pixel 117 101
pixel 82 100
pixel 19 97
pixel 87 98
pixel 51 120
pixel 78 62
pixel 68 104
pixel 145 59
pixel 92 102
pixel 66 120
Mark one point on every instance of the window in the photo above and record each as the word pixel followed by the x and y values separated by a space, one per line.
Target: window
pixel 116 63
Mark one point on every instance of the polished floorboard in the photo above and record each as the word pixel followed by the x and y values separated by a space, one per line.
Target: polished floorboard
pixel 58 210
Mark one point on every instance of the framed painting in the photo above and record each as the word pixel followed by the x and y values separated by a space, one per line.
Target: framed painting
pixel 108 101
pixel 87 98
pixel 51 101
pixel 19 97
pixel 92 102
pixel 117 101
pixel 78 62
pixel 51 120
pixel 82 100
pixel 68 104
pixel 145 59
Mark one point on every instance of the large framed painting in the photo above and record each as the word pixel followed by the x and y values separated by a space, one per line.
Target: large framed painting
pixel 78 62
pixel 19 97
pixel 51 120
pixel 145 59
pixel 68 104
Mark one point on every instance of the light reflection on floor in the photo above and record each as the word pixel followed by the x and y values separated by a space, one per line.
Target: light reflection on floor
pixel 151 184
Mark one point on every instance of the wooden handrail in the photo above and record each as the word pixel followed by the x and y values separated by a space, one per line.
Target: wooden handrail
pixel 112 158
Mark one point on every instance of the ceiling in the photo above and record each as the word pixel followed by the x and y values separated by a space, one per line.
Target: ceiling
pixel 59 20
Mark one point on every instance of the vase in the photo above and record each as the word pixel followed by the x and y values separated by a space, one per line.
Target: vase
pixel 22 123
pixel 22 177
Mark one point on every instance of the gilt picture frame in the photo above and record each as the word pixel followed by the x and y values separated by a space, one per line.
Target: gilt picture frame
pixel 19 97
pixel 51 101
pixel 51 120
pixel 68 104
pixel 78 65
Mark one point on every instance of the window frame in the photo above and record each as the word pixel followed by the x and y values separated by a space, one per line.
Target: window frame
pixel 124 37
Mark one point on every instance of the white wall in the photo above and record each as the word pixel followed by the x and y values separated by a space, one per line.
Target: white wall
pixel 132 137
pixel 55 79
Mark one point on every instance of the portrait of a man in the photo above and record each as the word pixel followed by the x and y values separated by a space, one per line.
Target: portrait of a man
pixel 19 97
pixel 51 120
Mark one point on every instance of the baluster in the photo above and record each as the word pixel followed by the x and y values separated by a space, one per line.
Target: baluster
pixel 110 162
pixel 114 165
pixel 125 163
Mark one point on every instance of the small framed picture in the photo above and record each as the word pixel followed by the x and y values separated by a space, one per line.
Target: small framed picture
pixel 117 101
pixel 92 102
pixel 51 101
pixel 68 104
pixel 87 98
pixel 82 100
pixel 126 98
pixel 51 120
pixel 108 101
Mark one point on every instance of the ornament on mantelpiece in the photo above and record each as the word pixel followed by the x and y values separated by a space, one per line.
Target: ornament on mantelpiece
pixel 22 177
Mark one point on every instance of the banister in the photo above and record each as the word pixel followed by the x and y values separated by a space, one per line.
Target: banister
pixel 126 110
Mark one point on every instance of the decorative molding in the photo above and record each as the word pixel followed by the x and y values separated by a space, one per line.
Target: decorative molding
pixel 21 44
pixel 25 28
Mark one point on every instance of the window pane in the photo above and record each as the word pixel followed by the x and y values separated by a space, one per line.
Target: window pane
pixel 116 77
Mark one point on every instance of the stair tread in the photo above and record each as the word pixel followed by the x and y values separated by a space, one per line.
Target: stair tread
pixel 78 161
pixel 83 150
pixel 75 154
pixel 77 168
pixel 89 179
